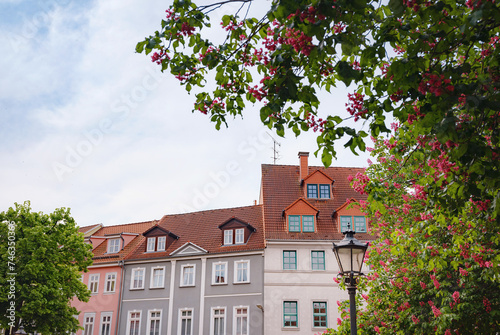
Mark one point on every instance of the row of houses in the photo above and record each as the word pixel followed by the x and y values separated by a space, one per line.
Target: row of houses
pixel 262 269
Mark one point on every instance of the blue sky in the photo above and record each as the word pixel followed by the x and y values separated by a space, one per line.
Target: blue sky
pixel 87 123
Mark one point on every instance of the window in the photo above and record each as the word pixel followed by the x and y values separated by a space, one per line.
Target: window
pixel 319 314
pixel 161 243
pixel 359 223
pixel 137 281
pixel 94 283
pixel 105 323
pixel 298 223
pixel 228 236
pixel 219 270
pixel 242 271
pixel 109 285
pixel 218 324
pixel 294 223
pixel 289 260
pixel 154 323
pixel 157 277
pixel 113 245
pixel 318 260
pixel 151 244
pixel 312 190
pixel 324 191
pixel 88 323
pixel 308 223
pixel 134 323
pixel 290 316
pixel 188 275
pixel 239 236
pixel 240 321
pixel 186 322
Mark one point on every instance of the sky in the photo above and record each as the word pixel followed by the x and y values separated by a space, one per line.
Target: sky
pixel 88 124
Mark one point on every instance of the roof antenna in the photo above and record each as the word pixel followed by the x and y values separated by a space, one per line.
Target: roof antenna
pixel 275 151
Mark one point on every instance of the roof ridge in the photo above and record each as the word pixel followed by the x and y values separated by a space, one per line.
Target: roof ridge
pixel 211 210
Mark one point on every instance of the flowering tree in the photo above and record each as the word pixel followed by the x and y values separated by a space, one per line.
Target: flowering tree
pixel 434 268
pixel 433 67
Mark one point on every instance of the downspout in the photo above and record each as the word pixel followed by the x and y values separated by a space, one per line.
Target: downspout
pixel 122 280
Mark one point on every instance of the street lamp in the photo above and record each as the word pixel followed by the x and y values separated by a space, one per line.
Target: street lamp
pixel 350 255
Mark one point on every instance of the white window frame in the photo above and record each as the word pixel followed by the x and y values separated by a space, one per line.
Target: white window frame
pixel 235 318
pixel 112 247
pixel 152 281
pixel 132 280
pixel 103 315
pixel 148 331
pixel 92 280
pixel 213 317
pixel 239 236
pixel 181 317
pixel 151 244
pixel 129 320
pixel 108 280
pixel 91 324
pixel 163 242
pixel 182 275
pixel 228 237
pixel 236 263
pixel 214 282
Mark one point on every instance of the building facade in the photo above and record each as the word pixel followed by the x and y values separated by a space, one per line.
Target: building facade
pixel 263 269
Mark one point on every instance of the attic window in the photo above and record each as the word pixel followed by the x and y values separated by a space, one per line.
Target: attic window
pixel 301 223
pixel 234 236
pixel 318 191
pixel 346 223
pixel 156 244
pixel 113 245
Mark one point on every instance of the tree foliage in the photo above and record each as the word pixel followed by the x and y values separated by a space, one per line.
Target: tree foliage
pixel 42 257
pixel 433 68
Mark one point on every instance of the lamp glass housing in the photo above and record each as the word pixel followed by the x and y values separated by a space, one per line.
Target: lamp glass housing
pixel 350 254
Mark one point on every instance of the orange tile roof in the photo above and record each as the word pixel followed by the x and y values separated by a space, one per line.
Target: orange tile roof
pixel 201 228
pixel 100 252
pixel 85 230
pixel 281 187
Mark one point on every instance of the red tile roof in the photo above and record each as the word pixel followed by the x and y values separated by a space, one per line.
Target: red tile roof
pixel 100 252
pixel 281 187
pixel 201 228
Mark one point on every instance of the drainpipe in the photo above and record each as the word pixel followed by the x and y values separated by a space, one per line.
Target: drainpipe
pixel 122 280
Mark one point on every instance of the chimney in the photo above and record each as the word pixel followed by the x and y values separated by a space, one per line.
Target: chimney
pixel 304 167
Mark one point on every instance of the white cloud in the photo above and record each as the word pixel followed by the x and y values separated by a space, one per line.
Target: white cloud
pixel 112 138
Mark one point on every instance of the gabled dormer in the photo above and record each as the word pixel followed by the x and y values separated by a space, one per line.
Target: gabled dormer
pixel 158 239
pixel 300 217
pixel 116 242
pixel 350 217
pixel 317 186
pixel 235 231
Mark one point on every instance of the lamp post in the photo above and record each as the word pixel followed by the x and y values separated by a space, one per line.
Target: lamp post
pixel 350 254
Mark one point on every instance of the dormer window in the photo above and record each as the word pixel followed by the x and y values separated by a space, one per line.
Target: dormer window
pixel 239 236
pixel 234 236
pixel 156 243
pixel 228 236
pixel 301 223
pixel 158 239
pixel 318 191
pixel 113 245
pixel 235 231
pixel 346 223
